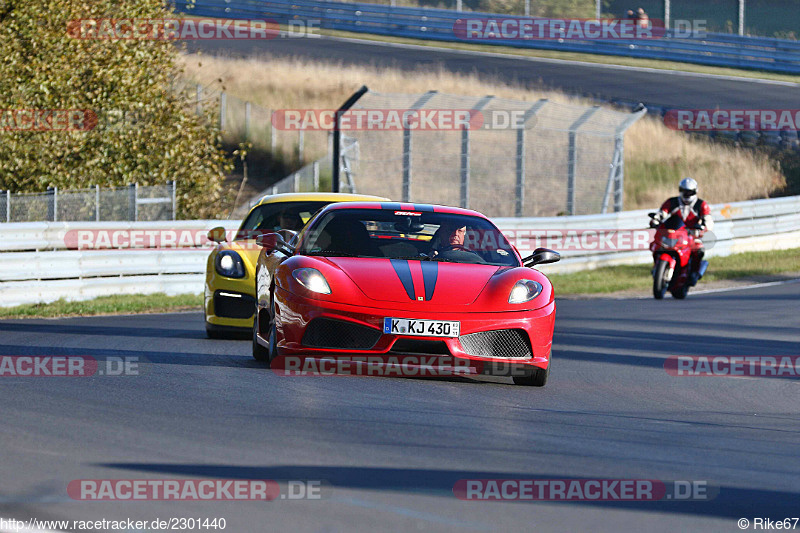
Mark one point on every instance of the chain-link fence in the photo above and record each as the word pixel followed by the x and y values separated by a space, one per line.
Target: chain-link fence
pixel 512 158
pixel 134 202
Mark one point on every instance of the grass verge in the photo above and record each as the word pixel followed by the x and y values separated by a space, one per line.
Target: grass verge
pixel 107 305
pixel 609 280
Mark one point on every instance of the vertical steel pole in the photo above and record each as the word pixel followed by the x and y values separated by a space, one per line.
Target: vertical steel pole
pixel 741 17
pixel 55 204
pixel 458 5
pixel 520 204
pixel 407 161
pixel 337 134
pixel 223 107
pixel 273 139
pixel 300 145
pixel 97 203
pixel 136 202
pixel 572 157
pixel 666 13
pixel 8 205
pixel 465 170
pixel 174 200
pixel 199 99
pixel 315 169
pixel 527 8
pixel 597 9
pixel 247 121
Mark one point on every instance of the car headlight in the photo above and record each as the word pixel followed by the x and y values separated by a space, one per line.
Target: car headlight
pixel 229 264
pixel 524 290
pixel 312 279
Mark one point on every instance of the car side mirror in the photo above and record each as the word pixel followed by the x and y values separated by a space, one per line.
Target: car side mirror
pixel 274 241
pixel 216 234
pixel 541 256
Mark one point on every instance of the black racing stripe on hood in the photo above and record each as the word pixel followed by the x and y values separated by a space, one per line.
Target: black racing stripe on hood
pixel 404 273
pixel 430 273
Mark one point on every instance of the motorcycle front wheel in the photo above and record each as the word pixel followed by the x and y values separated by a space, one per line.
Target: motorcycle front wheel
pixel 660 279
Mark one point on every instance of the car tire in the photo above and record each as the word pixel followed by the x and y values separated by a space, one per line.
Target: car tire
pixel 534 377
pixel 259 352
pixel 659 281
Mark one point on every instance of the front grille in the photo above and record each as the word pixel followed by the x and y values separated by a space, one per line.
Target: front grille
pixel 339 335
pixel 497 343
pixel 423 347
pixel 230 304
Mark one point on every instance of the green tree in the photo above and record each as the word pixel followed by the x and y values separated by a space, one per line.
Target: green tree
pixel 145 130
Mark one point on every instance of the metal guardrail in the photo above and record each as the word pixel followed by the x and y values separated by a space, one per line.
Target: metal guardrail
pixel 42 270
pixel 725 50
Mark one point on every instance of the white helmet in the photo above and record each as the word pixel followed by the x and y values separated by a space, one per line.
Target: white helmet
pixel 688 190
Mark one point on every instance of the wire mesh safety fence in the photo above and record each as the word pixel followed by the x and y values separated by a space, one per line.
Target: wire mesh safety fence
pixel 513 158
pixel 133 202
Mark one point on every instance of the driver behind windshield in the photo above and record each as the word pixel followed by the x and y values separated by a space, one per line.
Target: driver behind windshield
pixel 447 244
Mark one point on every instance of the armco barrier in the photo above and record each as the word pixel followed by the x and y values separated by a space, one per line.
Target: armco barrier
pixel 43 271
pixel 725 50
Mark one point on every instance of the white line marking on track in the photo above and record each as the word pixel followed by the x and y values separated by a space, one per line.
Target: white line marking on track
pixel 753 286
pixel 564 61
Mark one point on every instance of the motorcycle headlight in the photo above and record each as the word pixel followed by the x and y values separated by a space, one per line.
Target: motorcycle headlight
pixel 669 243
pixel 229 264
pixel 312 279
pixel 524 290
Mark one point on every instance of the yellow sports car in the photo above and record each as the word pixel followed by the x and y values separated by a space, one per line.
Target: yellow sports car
pixel 230 271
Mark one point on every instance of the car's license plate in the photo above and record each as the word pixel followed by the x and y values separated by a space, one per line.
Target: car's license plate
pixel 421 328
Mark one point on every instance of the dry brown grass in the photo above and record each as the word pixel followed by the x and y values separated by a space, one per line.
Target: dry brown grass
pixel 655 157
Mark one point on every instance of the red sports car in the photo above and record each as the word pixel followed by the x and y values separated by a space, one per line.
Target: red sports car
pixel 391 279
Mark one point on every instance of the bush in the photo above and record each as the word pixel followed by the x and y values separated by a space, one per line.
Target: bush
pixel 145 133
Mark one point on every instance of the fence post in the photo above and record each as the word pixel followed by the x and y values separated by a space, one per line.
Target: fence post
pixel 273 144
pixel 247 121
pixel 337 134
pixel 199 99
pixel 223 105
pixel 97 203
pixel 465 153
pixel 300 146
pixel 520 204
pixel 572 157
pixel 51 210
pixel 8 205
pixel 419 104
pixel 315 168
pixel 666 14
pixel 174 200
pixel 741 17
pixel 131 202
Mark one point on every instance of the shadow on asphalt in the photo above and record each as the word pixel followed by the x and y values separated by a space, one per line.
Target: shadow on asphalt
pixel 731 502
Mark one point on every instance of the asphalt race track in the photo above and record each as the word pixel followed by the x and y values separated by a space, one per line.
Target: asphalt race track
pixel 653 87
pixel 390 449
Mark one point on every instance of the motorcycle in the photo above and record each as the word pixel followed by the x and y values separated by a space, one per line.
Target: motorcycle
pixel 672 257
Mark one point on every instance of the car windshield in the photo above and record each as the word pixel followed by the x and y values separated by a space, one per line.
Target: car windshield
pixel 276 216
pixel 426 236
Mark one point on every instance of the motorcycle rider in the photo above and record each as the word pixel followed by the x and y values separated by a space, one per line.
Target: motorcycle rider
pixel 696 215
